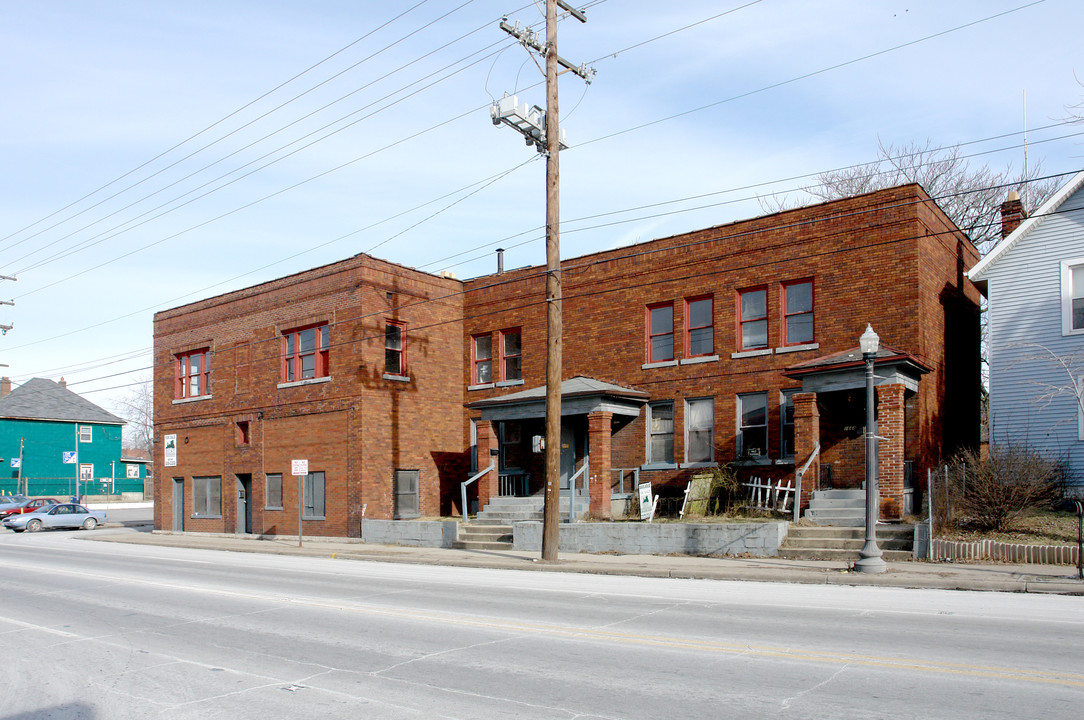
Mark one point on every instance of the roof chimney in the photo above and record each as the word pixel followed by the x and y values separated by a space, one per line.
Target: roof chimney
pixel 500 260
pixel 63 383
pixel 1012 213
pixel 5 386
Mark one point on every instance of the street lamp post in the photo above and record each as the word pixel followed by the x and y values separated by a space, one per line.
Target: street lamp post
pixel 870 560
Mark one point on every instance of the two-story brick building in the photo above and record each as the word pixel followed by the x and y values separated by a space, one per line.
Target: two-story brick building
pixel 733 344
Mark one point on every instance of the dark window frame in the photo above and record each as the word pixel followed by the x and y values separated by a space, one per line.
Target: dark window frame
pixel 395 358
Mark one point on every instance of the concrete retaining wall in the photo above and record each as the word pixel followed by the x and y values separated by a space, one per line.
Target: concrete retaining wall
pixel 759 539
pixel 414 533
pixel 1006 552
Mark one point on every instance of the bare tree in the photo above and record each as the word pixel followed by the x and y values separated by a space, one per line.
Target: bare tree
pixel 137 407
pixel 970 196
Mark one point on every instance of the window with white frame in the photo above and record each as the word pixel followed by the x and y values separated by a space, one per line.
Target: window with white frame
pixel 753 425
pixel 207 496
pixel 660 433
pixel 86 433
pixel 700 430
pixel 1072 297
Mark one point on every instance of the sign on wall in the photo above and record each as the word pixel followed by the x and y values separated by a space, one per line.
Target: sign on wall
pixel 171 450
pixel 16 462
pixel 133 471
pixel 70 457
pixel 299 467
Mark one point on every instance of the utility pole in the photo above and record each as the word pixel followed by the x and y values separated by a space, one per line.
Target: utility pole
pixel 543 130
pixel 4 328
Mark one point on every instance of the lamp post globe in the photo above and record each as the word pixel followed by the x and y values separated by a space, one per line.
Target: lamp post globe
pixel 869 557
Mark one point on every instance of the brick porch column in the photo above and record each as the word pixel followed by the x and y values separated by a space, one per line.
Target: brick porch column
pixel 807 433
pixel 598 439
pixel 488 484
pixel 890 449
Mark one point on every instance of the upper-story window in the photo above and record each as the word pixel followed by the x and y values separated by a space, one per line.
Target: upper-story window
pixel 699 327
pixel 86 433
pixel 753 318
pixel 482 359
pixel 395 348
pixel 511 355
pixel 305 353
pixel 1072 297
pixel 660 332
pixel 798 312
pixel 193 374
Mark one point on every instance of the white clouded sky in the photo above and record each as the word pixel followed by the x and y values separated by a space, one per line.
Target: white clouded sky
pixel 109 212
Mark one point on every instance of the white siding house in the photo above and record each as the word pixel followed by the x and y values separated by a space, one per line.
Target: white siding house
pixel 1034 281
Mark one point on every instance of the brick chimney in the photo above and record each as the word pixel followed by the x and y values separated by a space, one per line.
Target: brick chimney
pixel 1012 213
pixel 5 386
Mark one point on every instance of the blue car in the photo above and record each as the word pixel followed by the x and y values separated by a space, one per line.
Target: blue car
pixel 66 515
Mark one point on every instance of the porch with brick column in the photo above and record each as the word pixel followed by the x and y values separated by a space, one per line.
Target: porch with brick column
pixel 598 439
pixel 488 484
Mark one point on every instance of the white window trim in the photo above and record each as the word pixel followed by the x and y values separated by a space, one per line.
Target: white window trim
pixel 648 464
pixel 1067 296
pixel 740 436
pixel 89 433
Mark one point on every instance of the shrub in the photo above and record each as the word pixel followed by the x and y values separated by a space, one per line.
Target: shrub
pixel 990 493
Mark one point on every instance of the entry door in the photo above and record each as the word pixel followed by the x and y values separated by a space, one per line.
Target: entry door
pixel 178 504
pixel 568 455
pixel 244 513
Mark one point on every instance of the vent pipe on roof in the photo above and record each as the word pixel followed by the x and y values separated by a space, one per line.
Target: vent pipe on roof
pixel 63 383
pixel 500 260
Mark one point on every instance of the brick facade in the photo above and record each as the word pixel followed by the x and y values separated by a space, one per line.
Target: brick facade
pixel 889 258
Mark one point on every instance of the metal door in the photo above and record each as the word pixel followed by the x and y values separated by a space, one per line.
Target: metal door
pixel 568 455
pixel 178 504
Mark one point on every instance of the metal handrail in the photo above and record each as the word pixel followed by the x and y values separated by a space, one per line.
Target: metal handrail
pixel 463 489
pixel 572 488
pixel 798 481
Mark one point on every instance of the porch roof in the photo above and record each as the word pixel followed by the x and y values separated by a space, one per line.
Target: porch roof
pixel 846 370
pixel 579 396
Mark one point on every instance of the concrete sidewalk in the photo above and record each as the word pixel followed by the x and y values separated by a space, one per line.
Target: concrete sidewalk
pixel 1059 579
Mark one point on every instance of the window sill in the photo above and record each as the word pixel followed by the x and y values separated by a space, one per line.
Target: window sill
pixel 798 348
pixel 184 401
pixel 687 466
pixel 314 517
pixel 700 359
pixel 753 462
pixel 750 353
pixel 309 381
pixel 664 363
pixel 508 383
pixel 272 507
pixel 659 466
pixel 205 517
pixel 482 386
pixel 396 378
pixel 789 460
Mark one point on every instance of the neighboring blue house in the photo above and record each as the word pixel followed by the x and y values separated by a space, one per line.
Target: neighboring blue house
pixel 1034 282
pixel 41 424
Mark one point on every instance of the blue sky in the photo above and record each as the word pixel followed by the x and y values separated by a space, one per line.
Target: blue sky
pixel 114 204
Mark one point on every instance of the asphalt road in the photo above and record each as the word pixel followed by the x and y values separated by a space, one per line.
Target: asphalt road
pixel 104 630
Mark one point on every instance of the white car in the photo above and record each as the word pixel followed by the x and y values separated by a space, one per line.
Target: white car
pixel 66 515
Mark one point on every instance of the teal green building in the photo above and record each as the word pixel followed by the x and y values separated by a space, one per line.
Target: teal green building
pixel 55 443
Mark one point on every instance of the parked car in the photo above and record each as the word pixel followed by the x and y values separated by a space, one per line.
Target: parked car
pixel 26 506
pixel 7 501
pixel 65 515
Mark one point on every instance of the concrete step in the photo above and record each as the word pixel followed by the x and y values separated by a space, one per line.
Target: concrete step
pixel 485 532
pixel 481 545
pixel 846 543
pixel 845 494
pixel 819 503
pixel 839 555
pixel 837 516
pixel 828 531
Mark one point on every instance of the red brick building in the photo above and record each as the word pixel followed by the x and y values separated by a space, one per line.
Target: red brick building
pixel 731 344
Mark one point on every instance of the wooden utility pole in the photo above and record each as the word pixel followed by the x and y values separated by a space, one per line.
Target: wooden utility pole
pixel 551 513
pixel 537 126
